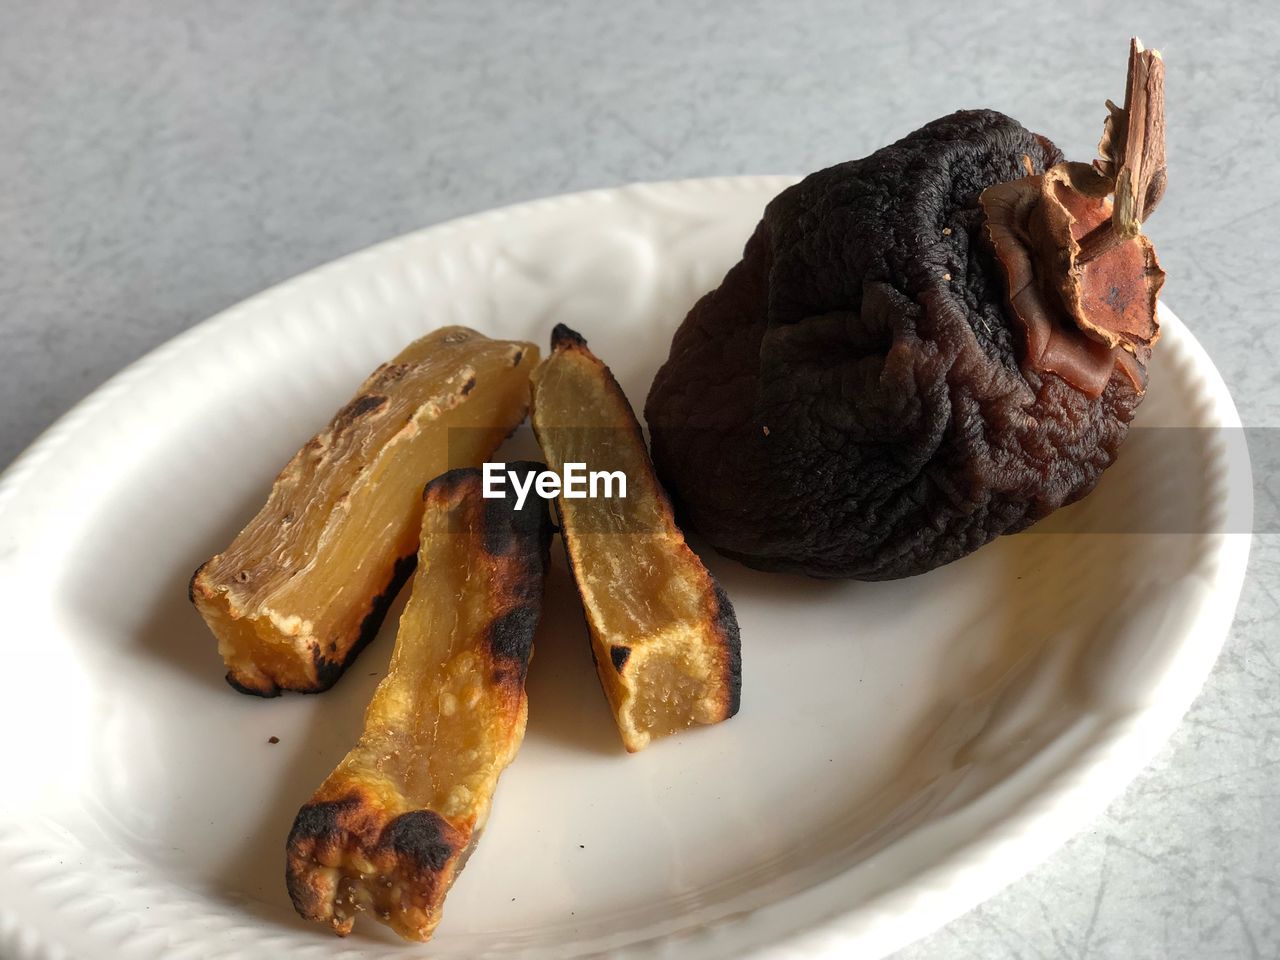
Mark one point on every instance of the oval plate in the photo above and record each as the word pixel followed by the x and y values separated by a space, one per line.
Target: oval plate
pixel 903 750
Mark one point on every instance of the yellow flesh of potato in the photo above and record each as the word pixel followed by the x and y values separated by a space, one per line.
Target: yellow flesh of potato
pixel 306 583
pixel 664 634
pixel 390 827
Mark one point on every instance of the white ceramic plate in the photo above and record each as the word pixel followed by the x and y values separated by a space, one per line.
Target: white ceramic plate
pixel 903 750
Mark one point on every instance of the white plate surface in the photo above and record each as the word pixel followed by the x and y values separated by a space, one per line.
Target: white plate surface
pixel 903 750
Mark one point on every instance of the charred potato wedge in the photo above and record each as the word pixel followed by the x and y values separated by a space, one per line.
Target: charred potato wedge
pixel 306 584
pixel 391 826
pixel 664 635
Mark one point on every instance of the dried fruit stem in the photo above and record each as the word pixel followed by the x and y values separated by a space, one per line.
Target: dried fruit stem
pixel 1133 154
pixel 1083 281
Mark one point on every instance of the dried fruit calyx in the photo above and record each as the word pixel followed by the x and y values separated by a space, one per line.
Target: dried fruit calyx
pixel 1083 280
pixel 920 350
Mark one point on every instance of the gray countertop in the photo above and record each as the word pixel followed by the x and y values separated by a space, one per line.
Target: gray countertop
pixel 162 160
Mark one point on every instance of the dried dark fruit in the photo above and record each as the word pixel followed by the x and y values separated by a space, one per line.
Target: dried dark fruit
pixel 920 350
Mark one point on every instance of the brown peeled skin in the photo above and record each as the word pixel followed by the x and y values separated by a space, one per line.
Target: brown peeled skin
pixel 305 585
pixel 390 828
pixel 664 635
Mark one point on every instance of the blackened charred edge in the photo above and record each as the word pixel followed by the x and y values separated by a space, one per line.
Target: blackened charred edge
pixel 726 624
pixel 503 524
pixel 265 692
pixel 468 386
pixel 322 821
pixel 316 823
pixel 505 527
pixel 511 637
pixel 450 479
pixel 563 336
pixel 619 654
pixel 191 584
pixel 523 537
pixel 498 532
pixel 328 671
pixel 423 840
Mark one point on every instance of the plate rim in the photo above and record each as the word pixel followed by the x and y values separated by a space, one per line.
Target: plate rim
pixel 936 894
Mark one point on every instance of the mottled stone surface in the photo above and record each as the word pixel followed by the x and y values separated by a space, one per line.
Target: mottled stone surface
pixel 162 160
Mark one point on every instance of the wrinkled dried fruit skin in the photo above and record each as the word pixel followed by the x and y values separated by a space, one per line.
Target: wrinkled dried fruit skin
pixel 850 402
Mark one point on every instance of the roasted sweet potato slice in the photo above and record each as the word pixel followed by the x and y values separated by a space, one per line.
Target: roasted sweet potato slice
pixel 306 584
pixel 391 826
pixel 664 635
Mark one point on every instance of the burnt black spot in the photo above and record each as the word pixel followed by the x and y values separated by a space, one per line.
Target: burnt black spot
pixel 565 336
pixel 191 584
pixel 359 407
pixel 727 624
pixel 505 526
pixel 468 386
pixel 619 655
pixel 515 360
pixel 449 479
pixel 498 535
pixel 328 671
pixel 316 823
pixel 324 819
pixel 391 372
pixel 511 637
pixel 421 837
pixel 266 693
